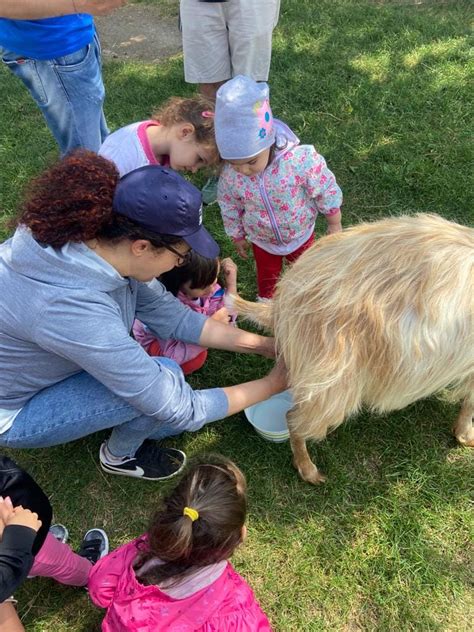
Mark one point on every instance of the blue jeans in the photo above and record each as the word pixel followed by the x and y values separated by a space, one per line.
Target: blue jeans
pixel 70 93
pixel 81 405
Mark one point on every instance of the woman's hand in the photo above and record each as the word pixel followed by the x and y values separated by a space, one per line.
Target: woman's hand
pixel 278 376
pixel 244 395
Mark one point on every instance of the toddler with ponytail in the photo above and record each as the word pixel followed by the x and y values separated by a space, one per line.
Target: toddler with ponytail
pixel 177 576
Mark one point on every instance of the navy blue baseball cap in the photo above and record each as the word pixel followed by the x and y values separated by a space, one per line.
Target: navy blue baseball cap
pixel 162 201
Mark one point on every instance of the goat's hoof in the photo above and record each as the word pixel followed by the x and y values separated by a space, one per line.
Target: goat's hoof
pixel 311 475
pixel 466 441
pixel 465 438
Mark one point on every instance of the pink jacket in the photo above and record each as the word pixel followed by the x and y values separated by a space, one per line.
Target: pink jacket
pixel 279 206
pixel 226 605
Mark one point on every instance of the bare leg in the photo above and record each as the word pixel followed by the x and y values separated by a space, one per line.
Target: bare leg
pixel 463 429
pixel 209 89
pixel 9 621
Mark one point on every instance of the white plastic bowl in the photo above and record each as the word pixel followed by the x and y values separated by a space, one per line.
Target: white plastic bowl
pixel 269 417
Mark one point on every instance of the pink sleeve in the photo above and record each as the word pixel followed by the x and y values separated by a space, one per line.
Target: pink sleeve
pixel 320 182
pixel 106 573
pixel 215 302
pixel 232 208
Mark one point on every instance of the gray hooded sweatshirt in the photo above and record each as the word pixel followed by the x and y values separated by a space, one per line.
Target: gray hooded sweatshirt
pixel 67 310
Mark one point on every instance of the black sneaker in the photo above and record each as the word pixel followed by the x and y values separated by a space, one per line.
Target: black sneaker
pixel 95 545
pixel 150 462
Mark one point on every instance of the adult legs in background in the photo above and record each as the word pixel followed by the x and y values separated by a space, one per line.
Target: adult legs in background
pixel 224 39
pixel 205 45
pixel 69 92
pixel 250 25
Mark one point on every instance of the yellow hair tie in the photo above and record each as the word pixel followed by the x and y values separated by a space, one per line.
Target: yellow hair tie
pixel 191 513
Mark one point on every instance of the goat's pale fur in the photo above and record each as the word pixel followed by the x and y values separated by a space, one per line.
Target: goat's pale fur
pixel 379 315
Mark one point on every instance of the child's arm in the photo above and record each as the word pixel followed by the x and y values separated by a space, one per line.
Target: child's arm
pixel 229 270
pixel 321 185
pixel 105 574
pixel 232 211
pixel 19 527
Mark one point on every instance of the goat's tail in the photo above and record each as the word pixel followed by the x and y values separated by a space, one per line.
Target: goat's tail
pixel 259 313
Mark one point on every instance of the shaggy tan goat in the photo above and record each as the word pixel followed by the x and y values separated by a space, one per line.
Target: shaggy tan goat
pixel 379 315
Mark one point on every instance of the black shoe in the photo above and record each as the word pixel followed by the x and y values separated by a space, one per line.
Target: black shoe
pixel 95 545
pixel 150 462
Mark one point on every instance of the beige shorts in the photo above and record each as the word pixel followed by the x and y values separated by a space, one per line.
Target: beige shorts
pixel 224 39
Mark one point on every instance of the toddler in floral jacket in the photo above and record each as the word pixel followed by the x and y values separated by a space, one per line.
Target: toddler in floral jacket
pixel 271 188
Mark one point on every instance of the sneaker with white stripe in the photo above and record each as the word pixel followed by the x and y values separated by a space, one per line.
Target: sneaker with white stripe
pixel 151 462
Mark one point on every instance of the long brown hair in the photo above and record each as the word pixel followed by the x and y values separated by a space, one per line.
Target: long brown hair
pixel 216 489
pixel 72 201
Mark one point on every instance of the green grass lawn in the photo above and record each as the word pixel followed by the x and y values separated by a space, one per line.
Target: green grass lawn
pixel 382 90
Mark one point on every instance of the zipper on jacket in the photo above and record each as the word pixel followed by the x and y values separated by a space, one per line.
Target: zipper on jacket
pixel 268 207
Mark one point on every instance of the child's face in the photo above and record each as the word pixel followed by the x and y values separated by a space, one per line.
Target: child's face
pixel 252 166
pixel 185 153
pixel 197 292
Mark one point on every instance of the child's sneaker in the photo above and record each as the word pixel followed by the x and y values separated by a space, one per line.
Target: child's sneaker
pixel 94 546
pixel 150 462
pixel 60 532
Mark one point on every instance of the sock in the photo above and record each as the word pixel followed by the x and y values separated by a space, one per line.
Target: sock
pixel 110 458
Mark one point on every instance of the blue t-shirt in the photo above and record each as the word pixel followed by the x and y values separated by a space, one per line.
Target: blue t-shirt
pixel 48 38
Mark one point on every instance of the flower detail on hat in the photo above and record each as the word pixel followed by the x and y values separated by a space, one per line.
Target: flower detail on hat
pixel 265 118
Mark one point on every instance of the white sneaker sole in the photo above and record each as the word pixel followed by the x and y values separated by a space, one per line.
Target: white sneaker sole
pixel 138 473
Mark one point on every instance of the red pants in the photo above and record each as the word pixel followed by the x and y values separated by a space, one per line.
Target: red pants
pixel 269 266
pixel 189 366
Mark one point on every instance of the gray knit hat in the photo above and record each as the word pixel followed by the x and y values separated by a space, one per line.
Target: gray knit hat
pixel 243 120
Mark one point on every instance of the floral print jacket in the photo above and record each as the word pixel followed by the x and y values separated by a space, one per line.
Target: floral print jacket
pixel 281 204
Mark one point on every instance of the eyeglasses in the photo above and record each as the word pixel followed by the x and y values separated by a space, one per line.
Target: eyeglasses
pixel 183 258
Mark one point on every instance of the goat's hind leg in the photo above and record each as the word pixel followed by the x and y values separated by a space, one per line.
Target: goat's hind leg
pixel 463 429
pixel 306 421
pixel 302 461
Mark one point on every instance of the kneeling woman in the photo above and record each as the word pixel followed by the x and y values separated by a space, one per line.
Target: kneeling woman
pixel 73 277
